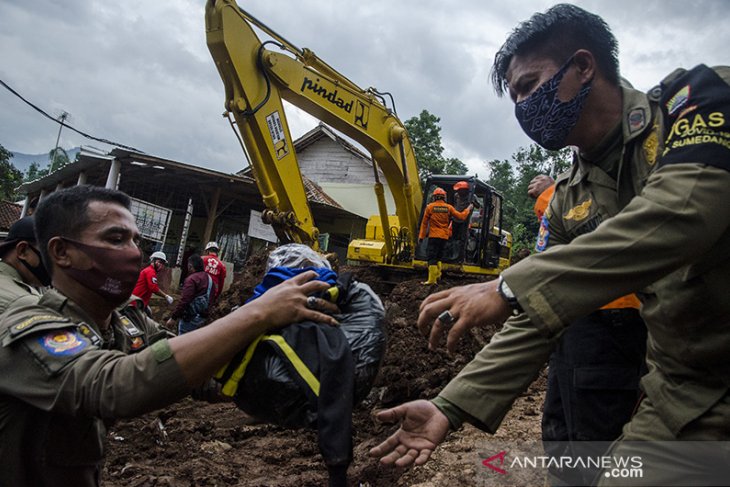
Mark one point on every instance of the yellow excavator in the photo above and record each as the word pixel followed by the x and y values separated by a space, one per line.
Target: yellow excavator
pixel 257 79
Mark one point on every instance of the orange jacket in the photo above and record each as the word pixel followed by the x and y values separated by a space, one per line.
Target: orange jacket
pixel 542 201
pixel 437 217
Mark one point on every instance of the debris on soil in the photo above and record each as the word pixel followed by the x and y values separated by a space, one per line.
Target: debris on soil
pixel 218 445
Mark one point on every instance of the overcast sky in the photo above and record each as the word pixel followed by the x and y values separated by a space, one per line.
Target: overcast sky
pixel 139 72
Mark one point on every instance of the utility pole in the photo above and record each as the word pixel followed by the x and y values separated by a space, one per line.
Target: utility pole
pixel 61 118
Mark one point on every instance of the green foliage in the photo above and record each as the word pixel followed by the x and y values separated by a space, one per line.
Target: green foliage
pixel 58 158
pixel 10 176
pixel 425 135
pixel 35 172
pixel 511 178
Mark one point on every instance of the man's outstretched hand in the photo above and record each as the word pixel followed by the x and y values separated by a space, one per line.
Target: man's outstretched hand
pixel 471 305
pixel 423 428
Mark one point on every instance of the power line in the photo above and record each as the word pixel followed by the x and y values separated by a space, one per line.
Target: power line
pixel 63 124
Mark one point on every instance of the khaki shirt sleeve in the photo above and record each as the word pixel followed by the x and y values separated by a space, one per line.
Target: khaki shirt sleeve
pixel 485 389
pixel 683 210
pixel 60 369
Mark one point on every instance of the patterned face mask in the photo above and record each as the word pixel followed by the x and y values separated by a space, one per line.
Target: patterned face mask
pixel 113 272
pixel 546 119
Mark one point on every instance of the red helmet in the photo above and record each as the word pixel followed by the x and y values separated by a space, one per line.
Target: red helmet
pixel 439 193
pixel 461 185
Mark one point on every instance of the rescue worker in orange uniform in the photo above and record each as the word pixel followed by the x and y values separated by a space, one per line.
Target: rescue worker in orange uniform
pixel 435 226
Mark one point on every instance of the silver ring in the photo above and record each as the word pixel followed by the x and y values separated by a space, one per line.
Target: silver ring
pixel 446 317
pixel 312 302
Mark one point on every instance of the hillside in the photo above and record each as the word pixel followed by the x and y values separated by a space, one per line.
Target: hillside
pixel 23 161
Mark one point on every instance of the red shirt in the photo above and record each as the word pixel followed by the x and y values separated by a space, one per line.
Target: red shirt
pixel 146 284
pixel 216 269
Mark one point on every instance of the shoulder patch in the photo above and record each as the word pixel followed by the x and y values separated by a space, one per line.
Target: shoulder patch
pixel 90 334
pixel 63 342
pixel 696 110
pixel 34 321
pixel 33 324
pixel 137 343
pixel 129 328
pixel 636 119
pixel 679 100
pixel 543 234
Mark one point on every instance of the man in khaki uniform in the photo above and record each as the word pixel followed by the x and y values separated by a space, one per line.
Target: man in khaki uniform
pixel 594 371
pixel 77 363
pixel 670 154
pixel 21 268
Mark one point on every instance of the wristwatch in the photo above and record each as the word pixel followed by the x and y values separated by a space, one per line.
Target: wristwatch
pixel 506 293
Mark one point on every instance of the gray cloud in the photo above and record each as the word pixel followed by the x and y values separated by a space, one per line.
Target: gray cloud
pixel 139 72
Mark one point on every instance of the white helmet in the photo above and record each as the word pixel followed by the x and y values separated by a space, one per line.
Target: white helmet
pixel 158 255
pixel 212 245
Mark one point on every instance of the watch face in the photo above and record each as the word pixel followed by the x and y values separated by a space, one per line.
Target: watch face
pixel 505 290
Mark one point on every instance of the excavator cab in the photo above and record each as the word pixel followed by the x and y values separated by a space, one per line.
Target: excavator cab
pixel 471 248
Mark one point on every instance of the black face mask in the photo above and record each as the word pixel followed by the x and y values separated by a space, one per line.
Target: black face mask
pixel 40 272
pixel 113 272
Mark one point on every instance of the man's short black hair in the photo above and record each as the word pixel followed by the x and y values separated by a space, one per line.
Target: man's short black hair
pixel 557 34
pixel 64 213
pixel 196 262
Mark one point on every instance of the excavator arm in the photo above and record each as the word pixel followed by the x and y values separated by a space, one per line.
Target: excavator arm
pixel 257 79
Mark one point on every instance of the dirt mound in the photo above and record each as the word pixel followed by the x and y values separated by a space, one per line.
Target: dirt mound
pixel 194 443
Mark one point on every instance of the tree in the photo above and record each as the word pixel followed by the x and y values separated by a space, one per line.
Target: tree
pixel 35 172
pixel 10 176
pixel 58 158
pixel 453 165
pixel 511 179
pixel 425 135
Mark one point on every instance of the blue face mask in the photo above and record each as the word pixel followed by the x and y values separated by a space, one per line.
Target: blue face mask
pixel 546 119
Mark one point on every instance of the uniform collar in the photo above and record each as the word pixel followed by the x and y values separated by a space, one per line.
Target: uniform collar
pixel 55 300
pixel 11 272
pixel 636 118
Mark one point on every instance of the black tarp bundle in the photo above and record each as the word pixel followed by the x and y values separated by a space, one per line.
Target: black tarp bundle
pixel 311 375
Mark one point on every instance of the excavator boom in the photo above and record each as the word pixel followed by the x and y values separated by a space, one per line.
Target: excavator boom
pixel 256 81
pixel 258 76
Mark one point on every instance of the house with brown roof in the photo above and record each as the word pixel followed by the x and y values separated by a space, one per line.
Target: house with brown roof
pixel 9 214
pixel 179 207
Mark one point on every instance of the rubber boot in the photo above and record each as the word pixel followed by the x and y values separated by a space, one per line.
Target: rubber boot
pixel 433 272
pixel 438 276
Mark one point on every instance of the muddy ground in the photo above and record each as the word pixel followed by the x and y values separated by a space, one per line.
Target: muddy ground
pixel 195 443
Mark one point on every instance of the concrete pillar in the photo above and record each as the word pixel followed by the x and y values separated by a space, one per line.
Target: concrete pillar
pixel 112 179
pixel 26 206
pixel 212 210
pixel 184 236
pixel 82 178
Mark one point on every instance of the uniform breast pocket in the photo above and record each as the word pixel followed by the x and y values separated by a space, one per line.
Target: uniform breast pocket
pixel 581 215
